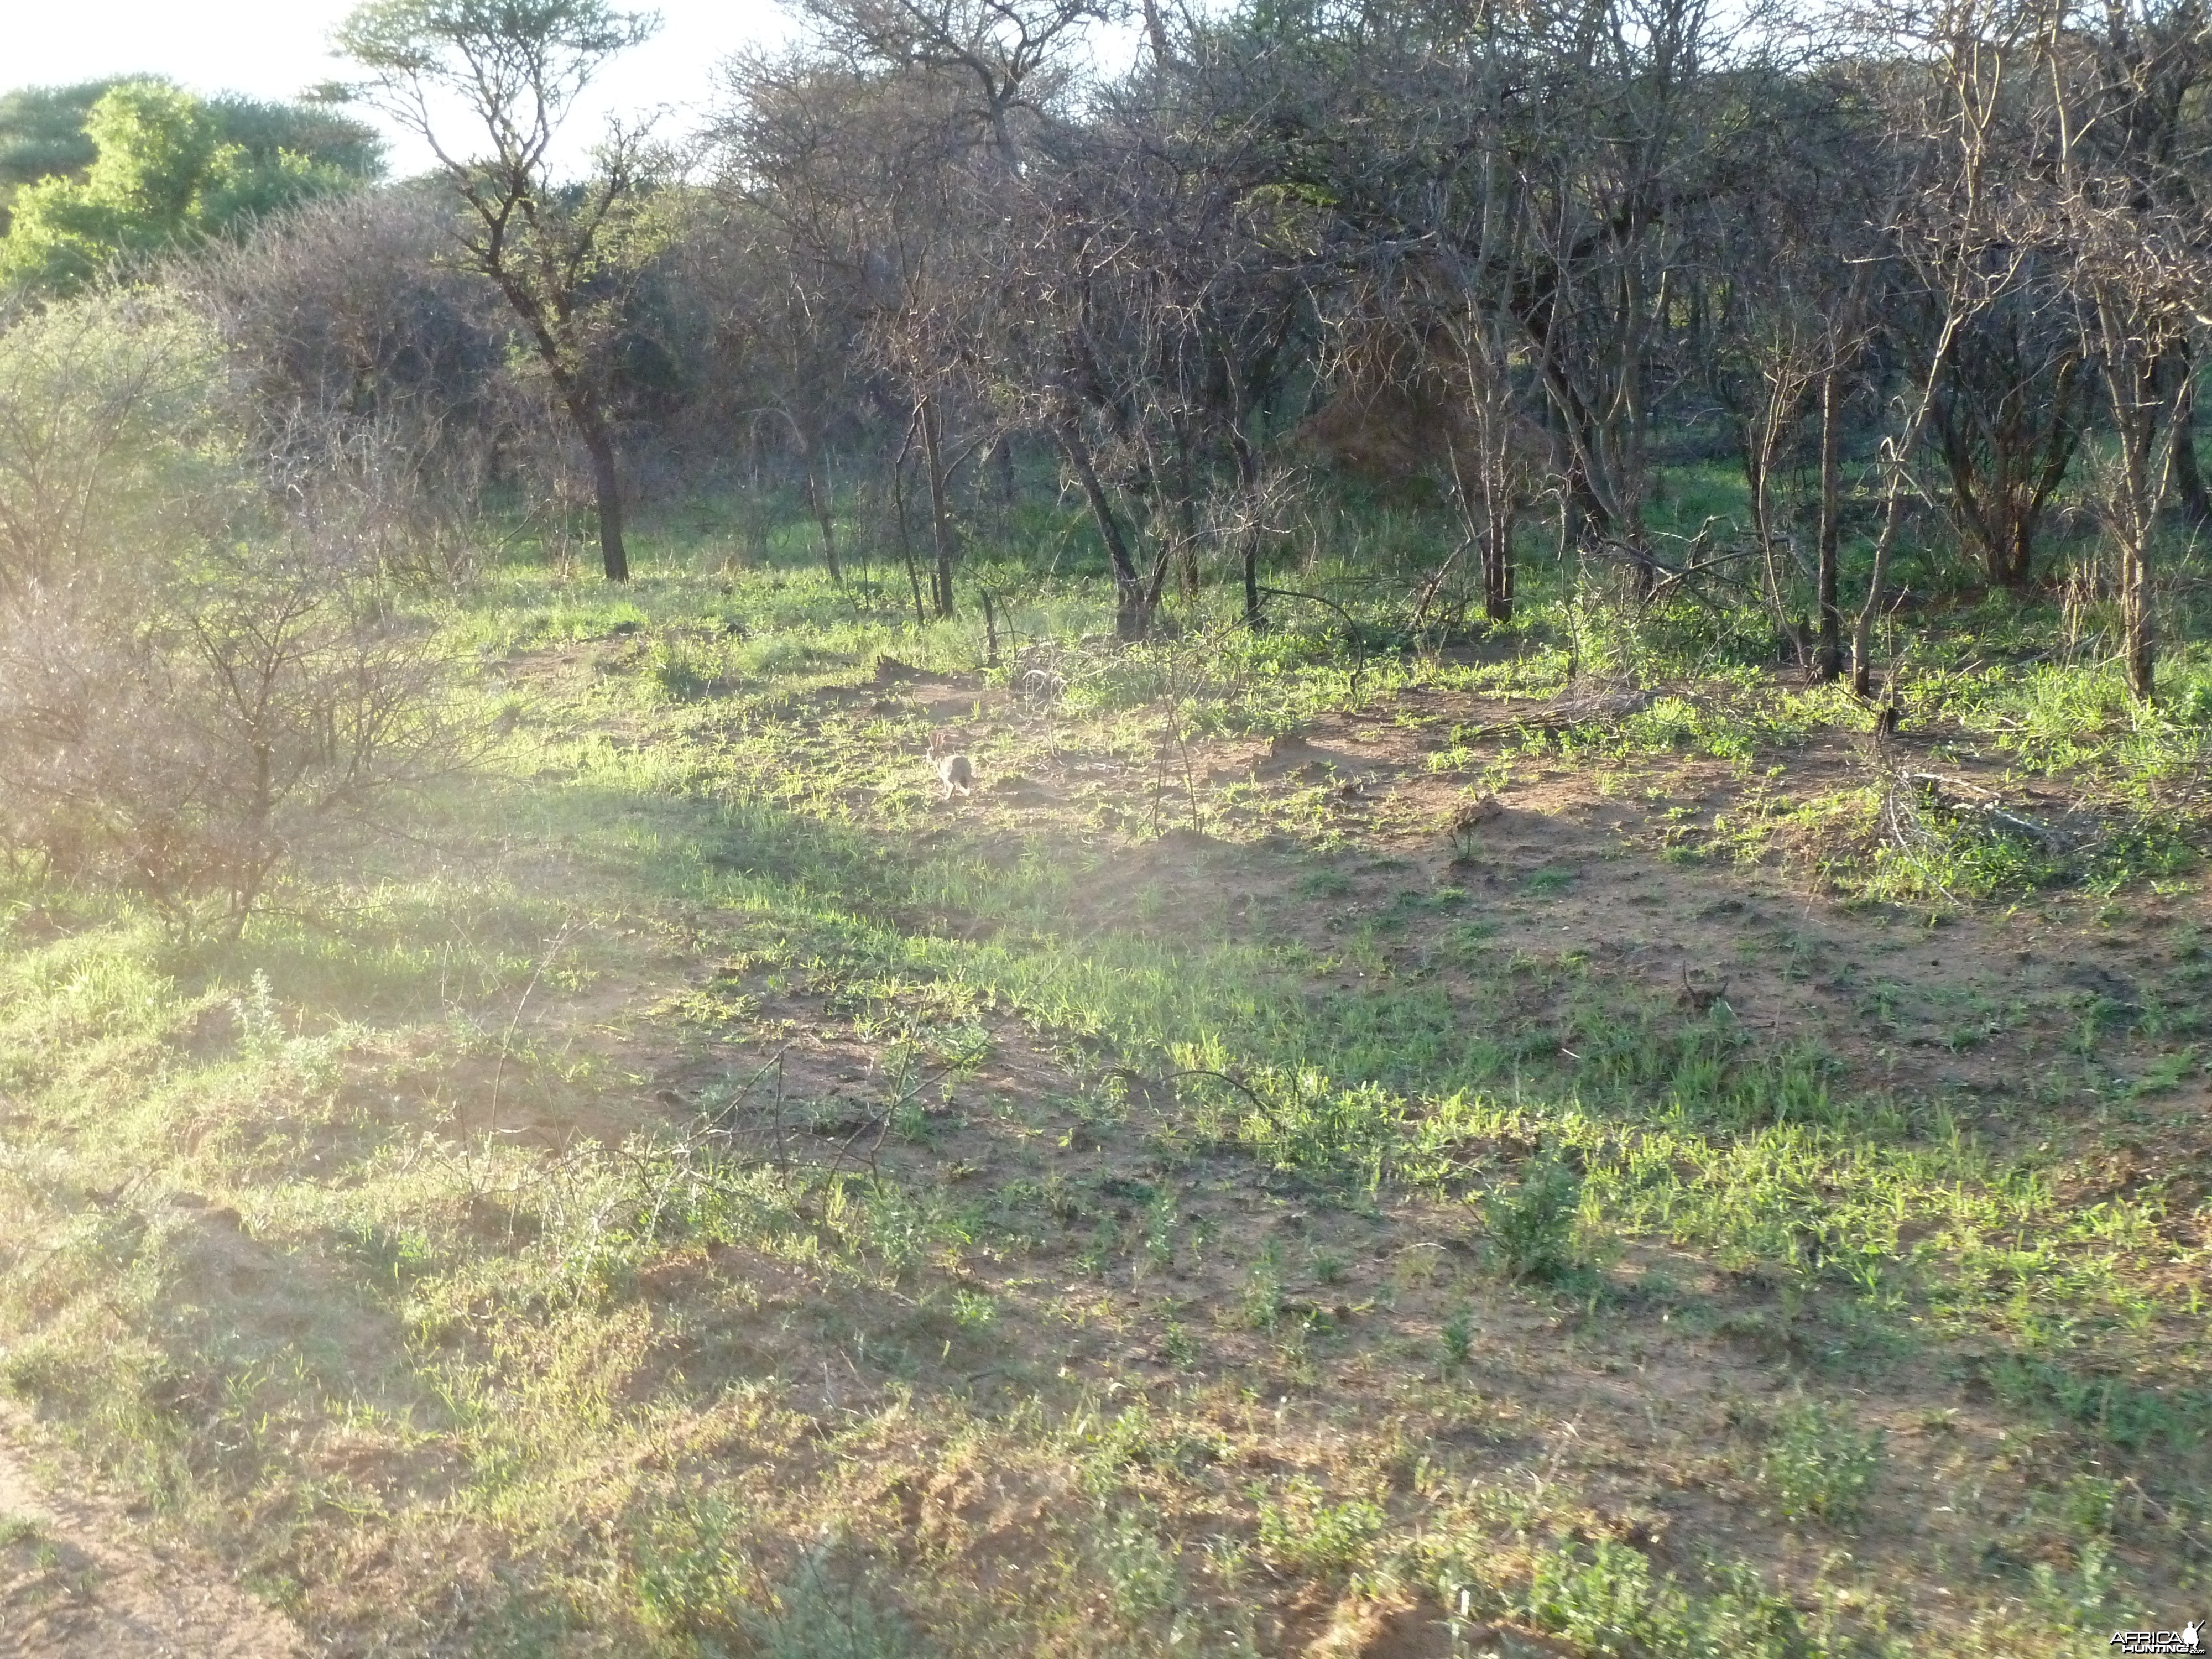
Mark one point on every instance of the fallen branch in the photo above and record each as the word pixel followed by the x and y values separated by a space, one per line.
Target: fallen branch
pixel 1990 808
pixel 1350 628
pixel 1562 713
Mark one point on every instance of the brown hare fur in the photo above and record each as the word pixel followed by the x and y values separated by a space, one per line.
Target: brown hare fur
pixel 954 770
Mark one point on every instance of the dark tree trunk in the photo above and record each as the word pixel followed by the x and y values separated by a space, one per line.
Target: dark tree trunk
pixel 2188 478
pixel 1247 483
pixel 906 534
pixel 578 396
pixel 818 499
pixel 606 487
pixel 1497 566
pixel 2138 434
pixel 2000 488
pixel 1186 512
pixel 1131 617
pixel 2138 621
pixel 943 536
pixel 1829 663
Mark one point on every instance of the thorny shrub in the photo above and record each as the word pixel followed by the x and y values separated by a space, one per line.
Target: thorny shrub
pixel 194 687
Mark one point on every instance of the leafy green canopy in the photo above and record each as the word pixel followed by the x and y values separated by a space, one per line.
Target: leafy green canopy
pixel 150 166
pixel 42 132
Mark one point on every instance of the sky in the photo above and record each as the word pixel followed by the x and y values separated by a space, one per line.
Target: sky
pixel 274 49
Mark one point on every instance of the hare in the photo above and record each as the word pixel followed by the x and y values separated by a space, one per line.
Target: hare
pixel 954 770
pixel 1466 826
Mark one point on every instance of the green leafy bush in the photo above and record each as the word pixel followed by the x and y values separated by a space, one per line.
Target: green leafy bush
pixel 167 170
pixel 1300 1532
pixel 1820 1467
pixel 1532 1227
pixel 1608 1602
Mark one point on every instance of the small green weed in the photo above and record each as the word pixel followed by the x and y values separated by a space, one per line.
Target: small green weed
pixel 1264 1302
pixel 1140 1572
pixel 681 671
pixel 687 1578
pixel 1458 1335
pixel 20 1529
pixel 1608 1602
pixel 1820 1467
pixel 2078 1600
pixel 825 1612
pixel 1532 1227
pixel 1300 1532
pixel 2127 1416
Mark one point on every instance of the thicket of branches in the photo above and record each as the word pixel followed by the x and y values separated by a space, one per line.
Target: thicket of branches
pixel 1946 252
pixel 1517 251
pixel 202 676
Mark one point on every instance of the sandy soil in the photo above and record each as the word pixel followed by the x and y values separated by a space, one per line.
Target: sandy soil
pixel 78 1582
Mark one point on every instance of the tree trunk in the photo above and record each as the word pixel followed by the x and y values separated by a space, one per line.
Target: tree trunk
pixel 1155 33
pixel 2014 554
pixel 1999 498
pixel 818 498
pixel 1186 512
pixel 1830 662
pixel 2137 623
pixel 906 533
pixel 1248 486
pixel 1762 527
pixel 1497 562
pixel 1892 520
pixel 1895 488
pixel 606 487
pixel 1765 438
pixel 2143 478
pixel 583 405
pixel 2188 479
pixel 1131 620
pixel 942 533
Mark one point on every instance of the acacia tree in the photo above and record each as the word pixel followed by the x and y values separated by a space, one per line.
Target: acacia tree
pixel 1146 329
pixel 1233 282
pixel 1788 254
pixel 557 255
pixel 869 176
pixel 1945 113
pixel 1622 144
pixel 1448 279
pixel 786 328
pixel 2008 415
pixel 967 85
pixel 2124 148
pixel 1007 55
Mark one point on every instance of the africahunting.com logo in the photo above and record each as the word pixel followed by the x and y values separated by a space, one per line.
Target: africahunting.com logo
pixel 2189 1638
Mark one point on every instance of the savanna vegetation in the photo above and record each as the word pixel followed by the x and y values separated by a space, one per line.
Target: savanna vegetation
pixel 1565 1006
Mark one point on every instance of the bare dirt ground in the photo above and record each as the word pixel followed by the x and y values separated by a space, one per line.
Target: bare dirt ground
pixel 1584 894
pixel 1643 1417
pixel 77 1583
